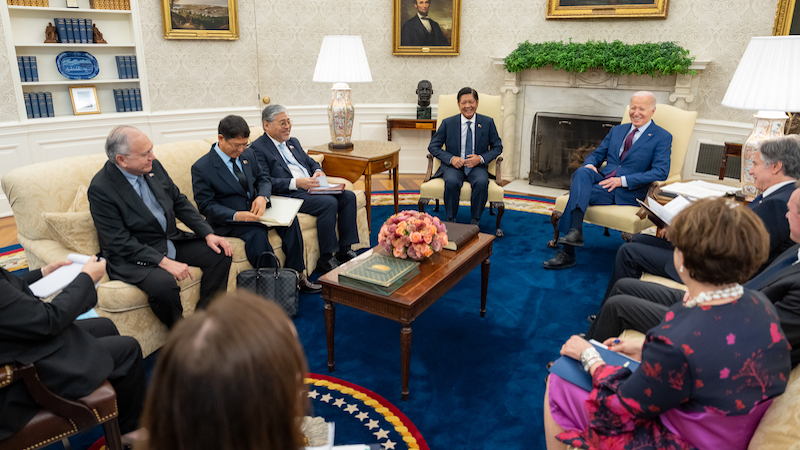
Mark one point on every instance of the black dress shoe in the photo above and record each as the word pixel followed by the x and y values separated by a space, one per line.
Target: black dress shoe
pixel 573 238
pixel 591 318
pixel 326 265
pixel 343 257
pixel 561 261
pixel 309 287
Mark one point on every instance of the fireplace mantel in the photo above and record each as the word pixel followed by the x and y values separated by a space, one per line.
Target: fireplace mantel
pixel 558 91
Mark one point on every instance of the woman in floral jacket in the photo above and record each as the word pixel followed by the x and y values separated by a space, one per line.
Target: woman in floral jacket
pixel 708 371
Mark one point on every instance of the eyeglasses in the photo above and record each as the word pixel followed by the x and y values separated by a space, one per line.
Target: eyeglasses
pixel 238 146
pixel 284 123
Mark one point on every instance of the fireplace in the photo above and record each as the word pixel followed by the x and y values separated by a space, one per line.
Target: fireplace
pixel 561 142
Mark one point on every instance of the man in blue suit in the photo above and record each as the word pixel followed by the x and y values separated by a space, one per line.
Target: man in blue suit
pixel 293 173
pixel 636 154
pixel 229 185
pixel 470 143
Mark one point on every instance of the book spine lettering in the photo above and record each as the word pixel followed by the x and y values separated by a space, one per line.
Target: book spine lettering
pixel 120 68
pixel 28 109
pixel 82 28
pixel 126 98
pixel 48 96
pixel 70 35
pixel 26 62
pixel 118 100
pixel 42 104
pixel 35 105
pixel 34 69
pixel 128 70
pixel 134 68
pixel 138 93
pixel 21 69
pixel 61 26
pixel 89 33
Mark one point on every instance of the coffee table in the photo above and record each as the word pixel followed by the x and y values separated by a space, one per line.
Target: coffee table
pixel 437 275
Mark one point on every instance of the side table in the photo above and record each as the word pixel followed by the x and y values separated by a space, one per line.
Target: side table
pixel 366 158
pixel 409 124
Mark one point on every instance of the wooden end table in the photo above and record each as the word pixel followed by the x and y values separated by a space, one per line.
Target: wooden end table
pixel 366 158
pixel 437 275
pixel 409 124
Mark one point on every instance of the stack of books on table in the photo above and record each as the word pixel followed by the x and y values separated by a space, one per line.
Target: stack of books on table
pixel 379 273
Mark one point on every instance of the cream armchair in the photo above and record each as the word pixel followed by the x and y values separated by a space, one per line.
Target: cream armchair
pixel 433 189
pixel 624 218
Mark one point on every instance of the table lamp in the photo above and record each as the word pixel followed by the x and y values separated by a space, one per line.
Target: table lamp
pixel 341 60
pixel 765 81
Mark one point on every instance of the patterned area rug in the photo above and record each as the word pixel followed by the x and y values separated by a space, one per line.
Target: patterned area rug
pixel 536 205
pixel 361 416
pixel 13 258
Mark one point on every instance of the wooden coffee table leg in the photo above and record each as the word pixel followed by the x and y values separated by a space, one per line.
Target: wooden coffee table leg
pixel 484 284
pixel 330 318
pixel 405 358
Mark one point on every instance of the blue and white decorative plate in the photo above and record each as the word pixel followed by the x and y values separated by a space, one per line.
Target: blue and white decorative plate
pixel 77 65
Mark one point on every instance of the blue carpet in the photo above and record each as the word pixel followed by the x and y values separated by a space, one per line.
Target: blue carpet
pixel 476 383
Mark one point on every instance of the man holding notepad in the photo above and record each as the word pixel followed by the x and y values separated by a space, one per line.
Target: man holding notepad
pixel 229 187
pixel 295 174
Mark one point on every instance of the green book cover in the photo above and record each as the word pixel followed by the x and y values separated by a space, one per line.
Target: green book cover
pixel 380 269
pixel 363 285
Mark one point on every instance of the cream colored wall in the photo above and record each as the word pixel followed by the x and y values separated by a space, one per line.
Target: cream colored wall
pixel 277 51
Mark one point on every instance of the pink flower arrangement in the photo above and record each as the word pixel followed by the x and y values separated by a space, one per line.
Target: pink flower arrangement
pixel 412 234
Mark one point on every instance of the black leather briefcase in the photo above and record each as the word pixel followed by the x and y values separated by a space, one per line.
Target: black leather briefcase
pixel 273 283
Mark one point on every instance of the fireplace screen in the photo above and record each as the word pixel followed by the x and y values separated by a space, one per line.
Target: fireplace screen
pixel 561 142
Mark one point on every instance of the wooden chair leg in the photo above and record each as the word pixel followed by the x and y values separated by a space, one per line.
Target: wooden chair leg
pixel 606 233
pixel 501 208
pixel 421 204
pixel 112 434
pixel 554 220
pixel 626 236
pixel 491 208
pixel 436 208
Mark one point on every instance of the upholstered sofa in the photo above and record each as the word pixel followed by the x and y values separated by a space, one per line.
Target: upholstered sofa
pixel 51 211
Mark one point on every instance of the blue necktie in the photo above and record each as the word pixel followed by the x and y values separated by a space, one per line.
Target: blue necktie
pixel 468 146
pixel 758 281
pixel 158 212
pixel 290 159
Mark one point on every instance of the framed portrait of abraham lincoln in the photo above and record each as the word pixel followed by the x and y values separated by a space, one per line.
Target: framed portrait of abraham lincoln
pixel 599 9
pixel 426 27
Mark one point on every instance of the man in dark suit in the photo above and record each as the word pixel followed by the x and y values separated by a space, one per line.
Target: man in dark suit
pixel 72 358
pixel 420 30
pixel 639 305
pixel 134 204
pixel 470 143
pixel 229 185
pixel 776 166
pixel 292 172
pixel 636 154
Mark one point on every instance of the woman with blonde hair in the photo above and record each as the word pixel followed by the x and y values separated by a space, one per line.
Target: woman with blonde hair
pixel 708 371
pixel 229 378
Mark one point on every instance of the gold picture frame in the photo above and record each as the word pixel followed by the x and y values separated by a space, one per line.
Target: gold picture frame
pixel 84 100
pixel 212 22
pixel 410 36
pixel 786 21
pixel 603 9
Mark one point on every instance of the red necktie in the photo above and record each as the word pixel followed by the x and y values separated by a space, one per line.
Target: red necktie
pixel 625 147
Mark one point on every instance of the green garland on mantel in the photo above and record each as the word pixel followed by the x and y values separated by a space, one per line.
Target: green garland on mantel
pixel 654 58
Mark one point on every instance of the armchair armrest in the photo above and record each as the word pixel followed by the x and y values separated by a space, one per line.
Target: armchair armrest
pixel 498 171
pixel 429 171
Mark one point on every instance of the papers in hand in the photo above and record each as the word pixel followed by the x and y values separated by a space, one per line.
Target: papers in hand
pixel 663 215
pixel 60 277
pixel 282 211
pixel 325 187
pixel 699 189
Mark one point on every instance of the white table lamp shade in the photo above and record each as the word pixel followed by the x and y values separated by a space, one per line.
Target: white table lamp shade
pixel 342 59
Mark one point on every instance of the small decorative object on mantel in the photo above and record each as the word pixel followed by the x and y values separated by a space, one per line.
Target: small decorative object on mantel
pixel 50 34
pixel 649 58
pixel 424 93
pixel 97 36
pixel 412 234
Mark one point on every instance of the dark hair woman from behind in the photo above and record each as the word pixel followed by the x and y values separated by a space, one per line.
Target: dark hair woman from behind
pixel 229 378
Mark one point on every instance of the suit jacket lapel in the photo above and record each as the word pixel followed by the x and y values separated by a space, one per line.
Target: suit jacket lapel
pixel 247 169
pixel 298 155
pixel 130 196
pixel 648 133
pixel 278 155
pixel 225 173
pixel 791 252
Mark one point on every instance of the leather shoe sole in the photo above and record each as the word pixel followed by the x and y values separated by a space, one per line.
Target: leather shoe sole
pixel 343 257
pixel 327 266
pixel 309 287
pixel 561 261
pixel 574 238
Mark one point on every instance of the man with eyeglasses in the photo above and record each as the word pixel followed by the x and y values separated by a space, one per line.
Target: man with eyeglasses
pixel 293 173
pixel 134 205
pixel 230 186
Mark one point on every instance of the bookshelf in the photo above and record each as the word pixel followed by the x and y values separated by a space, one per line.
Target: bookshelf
pixel 25 32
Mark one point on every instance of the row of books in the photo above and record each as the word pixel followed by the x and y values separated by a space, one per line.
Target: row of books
pixel 28 70
pixel 110 4
pixel 45 3
pixel 74 31
pixel 126 67
pixel 128 100
pixel 38 104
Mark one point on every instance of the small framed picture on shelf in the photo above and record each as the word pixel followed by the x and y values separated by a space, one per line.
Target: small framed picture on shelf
pixel 84 100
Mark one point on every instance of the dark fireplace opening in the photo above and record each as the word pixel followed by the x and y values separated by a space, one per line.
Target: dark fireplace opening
pixel 561 142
